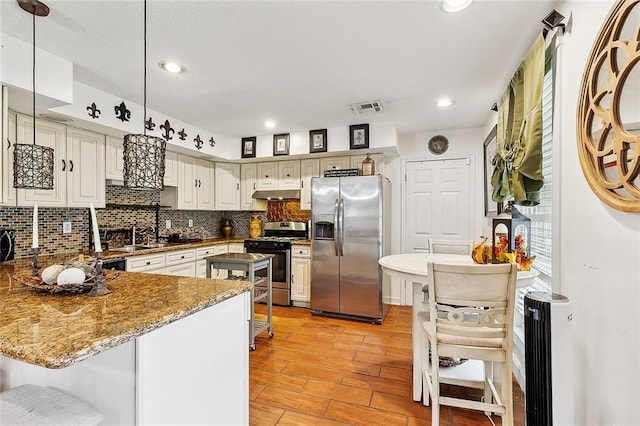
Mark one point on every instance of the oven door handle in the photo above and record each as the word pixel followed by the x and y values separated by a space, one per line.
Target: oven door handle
pixel 336 224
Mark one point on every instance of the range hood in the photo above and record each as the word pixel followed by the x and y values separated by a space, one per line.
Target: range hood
pixel 277 195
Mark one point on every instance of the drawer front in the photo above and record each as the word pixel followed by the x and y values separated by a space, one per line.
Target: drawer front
pixel 300 251
pixel 145 263
pixel 203 252
pixel 180 256
pixel 236 248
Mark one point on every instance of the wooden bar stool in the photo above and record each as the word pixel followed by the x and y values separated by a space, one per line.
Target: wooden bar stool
pixel 39 405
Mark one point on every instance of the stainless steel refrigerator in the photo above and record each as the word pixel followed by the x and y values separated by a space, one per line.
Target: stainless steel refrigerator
pixel 349 222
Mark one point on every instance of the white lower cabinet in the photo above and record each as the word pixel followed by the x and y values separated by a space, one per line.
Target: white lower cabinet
pixel 150 263
pixel 180 263
pixel 301 275
pixel 201 264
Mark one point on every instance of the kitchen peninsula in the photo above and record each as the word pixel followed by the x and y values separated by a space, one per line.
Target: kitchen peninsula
pixel 158 349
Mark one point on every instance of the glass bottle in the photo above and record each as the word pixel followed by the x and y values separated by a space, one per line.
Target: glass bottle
pixel 368 166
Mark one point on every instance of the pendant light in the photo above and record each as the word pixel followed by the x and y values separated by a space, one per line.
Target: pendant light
pixel 33 164
pixel 144 155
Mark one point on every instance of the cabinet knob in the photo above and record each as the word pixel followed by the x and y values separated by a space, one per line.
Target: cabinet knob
pixel 288 175
pixel 148 263
pixel 181 257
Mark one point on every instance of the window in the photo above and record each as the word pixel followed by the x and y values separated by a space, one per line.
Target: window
pixel 540 215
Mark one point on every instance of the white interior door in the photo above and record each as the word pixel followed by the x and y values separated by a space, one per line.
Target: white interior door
pixel 438 202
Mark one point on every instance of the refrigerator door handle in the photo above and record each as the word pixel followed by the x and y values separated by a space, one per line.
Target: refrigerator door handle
pixel 341 229
pixel 336 224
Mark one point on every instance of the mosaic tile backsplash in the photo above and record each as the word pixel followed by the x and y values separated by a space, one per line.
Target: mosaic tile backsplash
pixel 206 224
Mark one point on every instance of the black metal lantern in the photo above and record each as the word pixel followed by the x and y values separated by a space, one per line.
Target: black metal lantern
pixel 144 155
pixel 33 164
pixel 511 232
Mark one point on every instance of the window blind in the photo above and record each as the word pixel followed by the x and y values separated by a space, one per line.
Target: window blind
pixel 540 215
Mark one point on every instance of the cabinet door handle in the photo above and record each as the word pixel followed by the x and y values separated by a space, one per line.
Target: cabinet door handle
pixel 238 186
pixel 196 181
pixel 64 165
pixel 71 163
pixel 8 143
pixel 199 183
pixel 254 186
pixel 302 184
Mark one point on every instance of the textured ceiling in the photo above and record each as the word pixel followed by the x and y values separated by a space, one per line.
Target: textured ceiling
pixel 299 63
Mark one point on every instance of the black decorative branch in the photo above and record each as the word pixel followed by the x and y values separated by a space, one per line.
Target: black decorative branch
pixel 198 142
pixel 168 130
pixel 122 113
pixel 182 134
pixel 212 142
pixel 94 112
pixel 149 124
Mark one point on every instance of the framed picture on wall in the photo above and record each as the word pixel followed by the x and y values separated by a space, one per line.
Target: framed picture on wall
pixel 359 136
pixel 318 140
pixel 281 144
pixel 491 208
pixel 249 147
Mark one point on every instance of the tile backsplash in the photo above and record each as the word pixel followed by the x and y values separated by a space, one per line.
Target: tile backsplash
pixel 206 224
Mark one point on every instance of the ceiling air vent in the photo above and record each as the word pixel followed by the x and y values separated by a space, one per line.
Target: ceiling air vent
pixel 367 107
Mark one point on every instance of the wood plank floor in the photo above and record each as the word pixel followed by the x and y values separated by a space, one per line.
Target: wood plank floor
pixel 326 371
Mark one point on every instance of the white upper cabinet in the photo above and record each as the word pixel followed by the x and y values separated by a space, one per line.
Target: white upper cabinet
pixel 227 193
pixel 278 175
pixel 170 169
pixel 85 171
pixel 289 174
pixel 195 184
pixel 9 196
pixel 308 169
pixel 267 176
pixel 334 163
pixel 114 155
pixel 248 185
pixel 356 162
pixel 79 165
pixel 114 158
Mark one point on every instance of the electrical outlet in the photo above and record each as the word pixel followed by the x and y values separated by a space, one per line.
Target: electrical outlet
pixel 167 224
pixel 66 227
pixel 190 223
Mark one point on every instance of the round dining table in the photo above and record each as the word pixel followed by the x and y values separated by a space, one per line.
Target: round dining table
pixel 412 267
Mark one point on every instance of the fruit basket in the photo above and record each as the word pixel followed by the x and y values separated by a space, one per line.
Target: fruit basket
pixel 37 284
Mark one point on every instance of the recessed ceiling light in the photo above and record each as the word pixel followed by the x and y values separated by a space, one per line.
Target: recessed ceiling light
pixel 171 67
pixel 269 124
pixel 453 6
pixel 444 102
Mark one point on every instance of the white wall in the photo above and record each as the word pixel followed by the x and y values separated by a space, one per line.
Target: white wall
pixel 463 143
pixel 599 253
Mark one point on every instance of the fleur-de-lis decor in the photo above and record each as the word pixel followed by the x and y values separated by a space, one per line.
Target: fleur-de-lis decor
pixel 198 142
pixel 122 113
pixel 168 130
pixel 94 112
pixel 182 135
pixel 212 142
pixel 149 124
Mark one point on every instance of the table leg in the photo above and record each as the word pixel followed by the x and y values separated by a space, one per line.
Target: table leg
pixel 416 340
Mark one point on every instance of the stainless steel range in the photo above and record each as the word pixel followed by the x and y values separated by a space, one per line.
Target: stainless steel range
pixel 277 240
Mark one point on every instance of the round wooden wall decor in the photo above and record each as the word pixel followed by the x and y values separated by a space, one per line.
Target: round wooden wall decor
pixel 609 110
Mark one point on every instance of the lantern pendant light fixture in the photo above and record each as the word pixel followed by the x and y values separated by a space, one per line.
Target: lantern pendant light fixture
pixel 144 155
pixel 33 164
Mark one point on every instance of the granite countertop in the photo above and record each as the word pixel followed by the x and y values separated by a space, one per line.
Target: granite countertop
pixel 171 247
pixel 55 331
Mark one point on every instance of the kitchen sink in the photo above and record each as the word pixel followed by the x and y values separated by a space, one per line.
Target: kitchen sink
pixel 138 247
pixel 129 249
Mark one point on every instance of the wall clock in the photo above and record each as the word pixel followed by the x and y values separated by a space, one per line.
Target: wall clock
pixel 438 145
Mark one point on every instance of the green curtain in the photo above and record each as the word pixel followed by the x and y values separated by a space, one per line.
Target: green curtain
pixel 517 166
